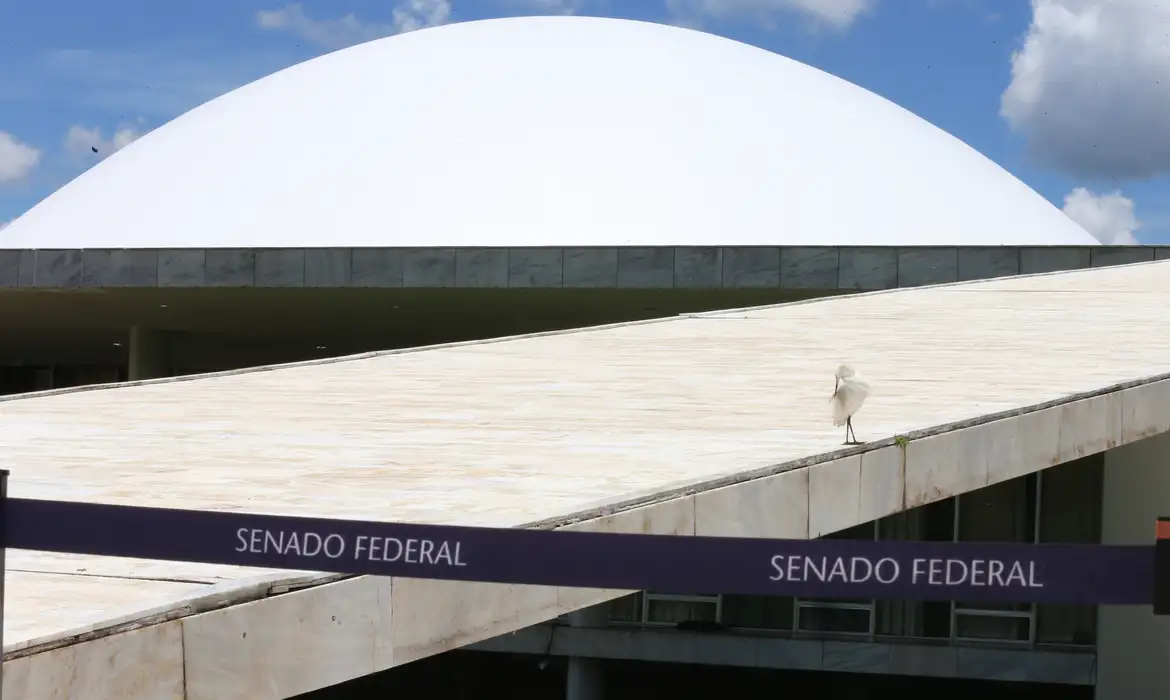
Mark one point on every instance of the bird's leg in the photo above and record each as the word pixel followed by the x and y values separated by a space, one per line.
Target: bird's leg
pixel 850 436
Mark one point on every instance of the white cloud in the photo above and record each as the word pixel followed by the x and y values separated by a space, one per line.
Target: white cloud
pixel 82 141
pixel 1109 217
pixel 1090 87
pixel 410 15
pixel 407 16
pixel 17 160
pixel 547 7
pixel 832 14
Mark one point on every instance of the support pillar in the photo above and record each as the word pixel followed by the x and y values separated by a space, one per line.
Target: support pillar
pixel 150 354
pixel 1133 646
pixel 584 680
pixel 586 676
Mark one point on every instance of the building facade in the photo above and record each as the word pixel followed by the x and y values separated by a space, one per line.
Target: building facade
pixel 1055 646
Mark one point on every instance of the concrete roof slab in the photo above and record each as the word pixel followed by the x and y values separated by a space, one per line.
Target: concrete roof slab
pixel 675 425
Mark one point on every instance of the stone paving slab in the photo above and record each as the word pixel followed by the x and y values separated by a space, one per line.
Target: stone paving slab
pixel 854 268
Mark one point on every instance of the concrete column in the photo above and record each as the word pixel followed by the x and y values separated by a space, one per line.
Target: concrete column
pixel 585 679
pixel 1133 646
pixel 586 676
pixel 150 354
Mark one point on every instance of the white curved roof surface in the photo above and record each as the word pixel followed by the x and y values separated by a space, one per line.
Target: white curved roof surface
pixel 545 131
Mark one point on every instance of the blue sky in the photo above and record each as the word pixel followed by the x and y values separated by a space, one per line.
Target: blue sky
pixel 1086 107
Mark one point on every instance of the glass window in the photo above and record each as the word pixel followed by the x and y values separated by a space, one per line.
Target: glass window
pixel 992 627
pixel 905 526
pixel 672 612
pixel 934 522
pixel 1066 624
pixel 938 521
pixel 1070 512
pixel 915 619
pixel 1003 512
pixel 851 619
pixel 864 531
pixel 1070 502
pixel 762 612
pixel 626 609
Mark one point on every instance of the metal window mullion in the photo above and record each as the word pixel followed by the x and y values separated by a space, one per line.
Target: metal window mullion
pixel 1039 505
pixel 835 606
pixel 955 538
pixel 1032 611
pixel 976 612
pixel 873 602
pixel 985 640
pixel 671 598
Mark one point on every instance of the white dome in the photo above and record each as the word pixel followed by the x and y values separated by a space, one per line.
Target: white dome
pixel 545 131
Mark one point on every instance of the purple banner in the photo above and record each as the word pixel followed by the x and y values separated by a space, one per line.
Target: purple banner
pixel 1052 573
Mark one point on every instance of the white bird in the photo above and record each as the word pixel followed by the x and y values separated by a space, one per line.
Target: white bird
pixel 849 393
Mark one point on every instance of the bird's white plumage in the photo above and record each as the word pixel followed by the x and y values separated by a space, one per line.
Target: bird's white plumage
pixel 849 395
pixel 545 131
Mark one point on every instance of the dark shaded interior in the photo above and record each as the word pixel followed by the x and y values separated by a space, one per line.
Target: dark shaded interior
pixel 467 675
pixel 214 329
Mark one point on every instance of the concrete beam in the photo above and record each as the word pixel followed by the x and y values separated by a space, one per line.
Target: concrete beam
pixel 848 268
